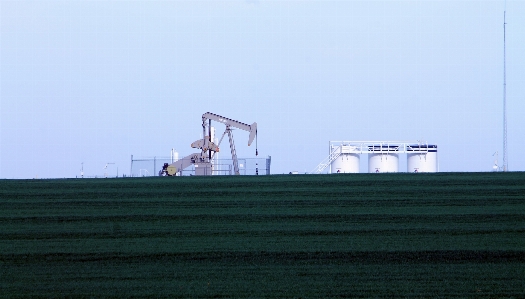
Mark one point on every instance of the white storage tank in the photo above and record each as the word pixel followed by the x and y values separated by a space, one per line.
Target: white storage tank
pixel 174 155
pixel 422 158
pixel 347 162
pixel 383 158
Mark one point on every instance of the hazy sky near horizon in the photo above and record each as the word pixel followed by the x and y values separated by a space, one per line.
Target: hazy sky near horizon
pixel 98 81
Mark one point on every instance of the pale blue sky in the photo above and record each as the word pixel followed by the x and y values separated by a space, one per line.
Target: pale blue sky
pixel 98 81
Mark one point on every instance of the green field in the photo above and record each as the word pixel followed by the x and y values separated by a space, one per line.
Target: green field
pixel 286 236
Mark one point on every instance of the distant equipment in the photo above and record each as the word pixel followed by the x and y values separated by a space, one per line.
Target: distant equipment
pixel 495 167
pixel 106 168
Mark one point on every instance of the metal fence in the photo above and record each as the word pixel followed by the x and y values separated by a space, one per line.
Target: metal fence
pixel 150 166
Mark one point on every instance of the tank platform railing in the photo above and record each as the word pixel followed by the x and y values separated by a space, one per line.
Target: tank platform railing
pixel 387 147
pixel 334 154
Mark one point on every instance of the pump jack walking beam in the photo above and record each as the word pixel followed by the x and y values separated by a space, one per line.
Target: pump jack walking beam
pixel 229 123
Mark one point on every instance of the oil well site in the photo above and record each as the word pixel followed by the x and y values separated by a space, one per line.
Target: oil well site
pixel 343 156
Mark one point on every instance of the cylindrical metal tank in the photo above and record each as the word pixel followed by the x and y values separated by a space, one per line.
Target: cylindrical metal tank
pixel 348 160
pixel 174 155
pixel 422 158
pixel 383 158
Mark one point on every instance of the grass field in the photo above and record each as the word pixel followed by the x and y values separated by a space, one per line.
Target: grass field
pixel 285 236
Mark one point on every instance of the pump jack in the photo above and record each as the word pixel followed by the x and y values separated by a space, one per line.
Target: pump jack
pixel 202 160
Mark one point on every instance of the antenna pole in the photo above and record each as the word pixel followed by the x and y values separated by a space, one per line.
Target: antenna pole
pixel 505 161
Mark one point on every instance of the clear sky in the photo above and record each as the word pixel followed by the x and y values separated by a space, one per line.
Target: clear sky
pixel 99 81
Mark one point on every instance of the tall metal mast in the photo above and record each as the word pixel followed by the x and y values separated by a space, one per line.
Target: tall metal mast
pixel 505 161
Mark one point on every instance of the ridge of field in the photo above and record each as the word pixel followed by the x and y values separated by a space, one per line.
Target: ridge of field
pixel 344 235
